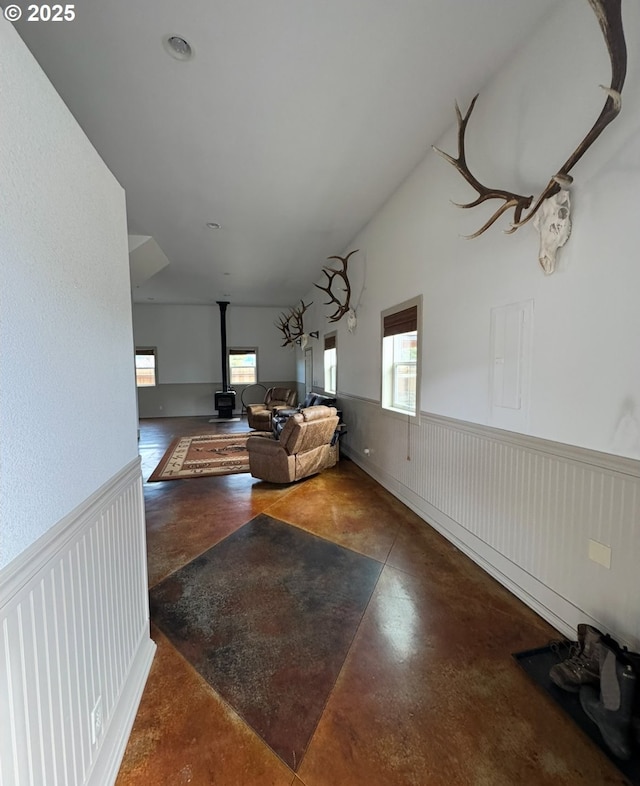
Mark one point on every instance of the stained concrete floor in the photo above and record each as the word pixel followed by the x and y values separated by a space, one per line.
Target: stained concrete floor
pixel 428 694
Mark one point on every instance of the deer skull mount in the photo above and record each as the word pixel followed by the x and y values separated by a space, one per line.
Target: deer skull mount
pixel 342 304
pixel 609 17
pixel 292 328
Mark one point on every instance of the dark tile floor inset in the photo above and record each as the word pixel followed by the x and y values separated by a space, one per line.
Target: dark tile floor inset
pixel 267 617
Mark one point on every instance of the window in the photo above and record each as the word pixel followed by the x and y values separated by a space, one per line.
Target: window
pixel 400 353
pixel 243 366
pixel 146 367
pixel 330 364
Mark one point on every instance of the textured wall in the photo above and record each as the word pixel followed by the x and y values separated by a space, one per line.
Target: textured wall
pixel 67 389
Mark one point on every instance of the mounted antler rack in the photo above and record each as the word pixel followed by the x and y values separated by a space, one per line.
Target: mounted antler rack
pixel 331 274
pixel 609 17
pixel 292 328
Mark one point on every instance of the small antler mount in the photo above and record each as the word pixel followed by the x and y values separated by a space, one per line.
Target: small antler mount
pixel 292 327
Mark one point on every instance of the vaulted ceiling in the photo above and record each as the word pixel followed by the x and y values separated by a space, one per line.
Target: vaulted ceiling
pixel 293 122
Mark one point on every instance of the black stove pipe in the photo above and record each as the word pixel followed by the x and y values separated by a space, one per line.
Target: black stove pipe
pixel 225 399
pixel 223 341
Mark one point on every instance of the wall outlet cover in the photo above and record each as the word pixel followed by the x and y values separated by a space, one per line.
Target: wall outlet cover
pixel 96 721
pixel 600 553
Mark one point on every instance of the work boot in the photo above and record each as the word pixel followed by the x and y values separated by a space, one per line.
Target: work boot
pixel 634 660
pixel 611 707
pixel 582 667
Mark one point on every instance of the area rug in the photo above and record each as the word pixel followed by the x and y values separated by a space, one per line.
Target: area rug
pixel 267 617
pixel 536 664
pixel 203 456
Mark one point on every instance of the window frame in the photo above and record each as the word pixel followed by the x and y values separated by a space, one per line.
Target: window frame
pixel 332 340
pixel 388 364
pixel 146 351
pixel 242 351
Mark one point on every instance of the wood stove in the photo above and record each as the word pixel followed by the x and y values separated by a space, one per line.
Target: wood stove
pixel 225 399
pixel 225 403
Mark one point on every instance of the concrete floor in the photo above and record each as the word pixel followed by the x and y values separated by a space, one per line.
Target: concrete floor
pixel 428 694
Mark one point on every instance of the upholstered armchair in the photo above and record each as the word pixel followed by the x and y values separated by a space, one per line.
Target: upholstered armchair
pixel 259 415
pixel 281 416
pixel 304 447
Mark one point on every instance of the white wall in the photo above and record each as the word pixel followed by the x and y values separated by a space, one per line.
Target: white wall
pixel 187 339
pixel 585 373
pixel 67 389
pixel 520 502
pixel 73 574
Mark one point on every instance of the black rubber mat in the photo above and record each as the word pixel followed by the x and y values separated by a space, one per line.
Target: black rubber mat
pixel 536 664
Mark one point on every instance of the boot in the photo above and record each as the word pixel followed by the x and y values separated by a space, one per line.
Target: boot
pixel 634 660
pixel 582 667
pixel 611 707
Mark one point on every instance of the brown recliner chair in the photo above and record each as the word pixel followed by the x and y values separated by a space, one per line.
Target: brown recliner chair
pixel 304 447
pixel 259 415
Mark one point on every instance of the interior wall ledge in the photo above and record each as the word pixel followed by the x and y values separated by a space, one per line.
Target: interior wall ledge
pixel 30 562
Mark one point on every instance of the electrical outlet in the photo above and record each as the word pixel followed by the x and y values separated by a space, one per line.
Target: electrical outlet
pixel 96 721
pixel 600 553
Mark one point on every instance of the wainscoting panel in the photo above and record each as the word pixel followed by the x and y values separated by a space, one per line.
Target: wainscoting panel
pixel 75 641
pixel 523 507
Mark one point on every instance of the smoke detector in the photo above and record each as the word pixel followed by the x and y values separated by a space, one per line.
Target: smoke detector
pixel 178 47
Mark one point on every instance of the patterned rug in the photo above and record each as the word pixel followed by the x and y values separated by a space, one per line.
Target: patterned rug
pixel 203 456
pixel 267 617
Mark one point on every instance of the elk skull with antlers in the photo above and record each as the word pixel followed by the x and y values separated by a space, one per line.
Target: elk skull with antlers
pixel 609 17
pixel 292 328
pixel 331 273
